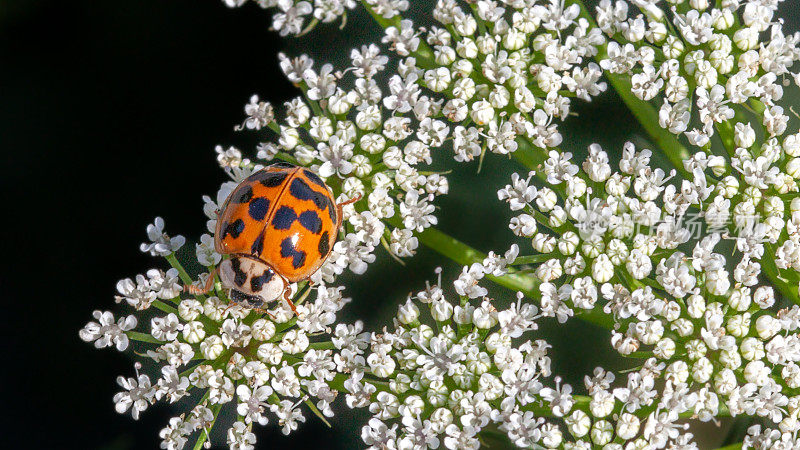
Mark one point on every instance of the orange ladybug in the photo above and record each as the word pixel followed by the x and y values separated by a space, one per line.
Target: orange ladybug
pixel 278 226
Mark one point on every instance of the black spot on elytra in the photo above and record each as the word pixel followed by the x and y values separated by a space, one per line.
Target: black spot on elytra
pixel 288 251
pixel 283 218
pixel 331 210
pixel 239 277
pixel 256 283
pixel 258 208
pixel 273 179
pixel 314 177
pixel 302 191
pixel 258 245
pixel 311 221
pixel 234 228
pixel 245 195
pixel 324 244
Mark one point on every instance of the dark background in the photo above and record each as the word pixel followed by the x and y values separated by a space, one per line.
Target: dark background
pixel 109 113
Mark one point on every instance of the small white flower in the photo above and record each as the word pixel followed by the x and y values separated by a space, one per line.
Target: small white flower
pixel 105 332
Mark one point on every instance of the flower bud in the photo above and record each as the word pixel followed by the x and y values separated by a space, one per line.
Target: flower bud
pixel 791 144
pixel 664 349
pixel 746 38
pixel 738 325
pixel 212 347
pixel 705 74
pixel 725 382
pixel 702 370
pixel 578 423
pixel 408 313
pixel 673 47
pixel 740 299
pixel 756 372
pixel 767 326
pixel 724 20
pixel 602 268
pixel 568 243
pixel 193 332
pixel 627 426
pixel 602 432
pixel 752 348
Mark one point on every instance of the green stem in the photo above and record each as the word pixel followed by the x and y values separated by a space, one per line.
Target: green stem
pixel 204 433
pixel 424 54
pixel 184 276
pixel 165 307
pixel 466 255
pixel 317 412
pixel 772 272
pixel 173 261
pixel 142 337
pixel 645 113
pixel 533 259
pixel 736 446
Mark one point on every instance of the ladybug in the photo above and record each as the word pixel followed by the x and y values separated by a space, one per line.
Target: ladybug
pixel 277 227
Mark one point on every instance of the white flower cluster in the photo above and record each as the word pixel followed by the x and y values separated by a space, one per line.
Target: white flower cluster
pixel 451 368
pixel 501 71
pixel 218 354
pixel 364 141
pixel 504 70
pixel 714 338
pixel 298 17
pixel 693 267
pixel 709 64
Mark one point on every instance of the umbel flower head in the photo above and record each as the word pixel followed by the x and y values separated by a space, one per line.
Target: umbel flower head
pixel 617 242
pixel 218 354
pixel 450 368
pixel 506 72
pixel 503 72
pixel 711 70
pixel 694 269
pixel 365 141
pixel 298 17
pixel 454 365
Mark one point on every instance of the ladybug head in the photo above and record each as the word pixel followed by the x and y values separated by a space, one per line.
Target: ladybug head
pixel 250 280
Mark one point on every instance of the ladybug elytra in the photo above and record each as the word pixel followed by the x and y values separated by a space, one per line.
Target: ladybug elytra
pixel 277 227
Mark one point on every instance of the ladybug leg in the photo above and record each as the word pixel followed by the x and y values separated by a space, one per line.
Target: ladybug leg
pixel 286 293
pixel 194 290
pixel 230 305
pixel 264 311
pixel 345 203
